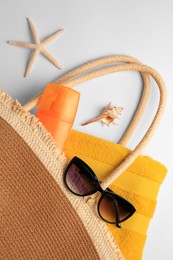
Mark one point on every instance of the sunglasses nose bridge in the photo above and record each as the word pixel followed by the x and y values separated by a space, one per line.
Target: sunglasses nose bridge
pixel 98 195
pixel 100 189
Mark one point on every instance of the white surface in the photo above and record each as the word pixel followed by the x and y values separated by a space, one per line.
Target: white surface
pixel 93 29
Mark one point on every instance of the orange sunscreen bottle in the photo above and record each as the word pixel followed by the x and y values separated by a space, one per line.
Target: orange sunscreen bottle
pixel 57 110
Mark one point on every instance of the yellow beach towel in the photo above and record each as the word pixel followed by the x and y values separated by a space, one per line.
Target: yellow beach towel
pixel 139 184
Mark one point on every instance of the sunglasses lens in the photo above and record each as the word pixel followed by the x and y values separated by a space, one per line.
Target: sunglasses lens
pixel 113 210
pixel 107 209
pixel 80 182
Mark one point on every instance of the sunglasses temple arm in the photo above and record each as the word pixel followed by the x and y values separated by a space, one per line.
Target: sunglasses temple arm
pixel 117 214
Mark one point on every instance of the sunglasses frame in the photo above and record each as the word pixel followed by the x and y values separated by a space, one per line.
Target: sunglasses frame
pixel 109 193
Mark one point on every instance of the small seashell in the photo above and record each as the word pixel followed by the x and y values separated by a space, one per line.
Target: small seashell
pixel 109 115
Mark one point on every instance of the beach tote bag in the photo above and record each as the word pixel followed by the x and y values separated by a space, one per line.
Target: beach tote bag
pixel 135 177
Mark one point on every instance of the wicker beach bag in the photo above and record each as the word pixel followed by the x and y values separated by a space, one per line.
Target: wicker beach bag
pixel 39 217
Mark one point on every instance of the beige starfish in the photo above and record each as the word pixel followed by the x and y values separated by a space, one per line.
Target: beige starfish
pixel 38 47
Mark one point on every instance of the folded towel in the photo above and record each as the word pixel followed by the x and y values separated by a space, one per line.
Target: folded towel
pixel 139 184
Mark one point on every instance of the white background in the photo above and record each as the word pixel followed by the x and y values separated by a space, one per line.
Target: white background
pixel 93 29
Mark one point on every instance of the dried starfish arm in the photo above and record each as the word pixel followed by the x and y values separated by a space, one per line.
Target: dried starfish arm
pixel 52 37
pixel 51 58
pixel 22 44
pixel 31 62
pixel 33 30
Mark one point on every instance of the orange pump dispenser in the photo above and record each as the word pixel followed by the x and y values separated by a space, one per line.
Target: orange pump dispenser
pixel 57 110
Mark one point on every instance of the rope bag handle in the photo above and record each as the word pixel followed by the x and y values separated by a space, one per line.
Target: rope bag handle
pixel 148 135
pixel 77 74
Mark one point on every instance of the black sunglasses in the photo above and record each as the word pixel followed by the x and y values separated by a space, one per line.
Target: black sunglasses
pixel 82 181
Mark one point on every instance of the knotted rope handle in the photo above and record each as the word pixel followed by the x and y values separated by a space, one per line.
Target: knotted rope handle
pixel 76 74
pixel 135 153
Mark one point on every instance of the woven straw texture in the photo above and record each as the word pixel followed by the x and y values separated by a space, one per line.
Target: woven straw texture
pixel 33 207
pixel 37 220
